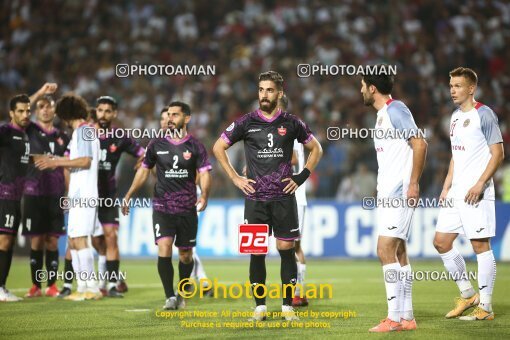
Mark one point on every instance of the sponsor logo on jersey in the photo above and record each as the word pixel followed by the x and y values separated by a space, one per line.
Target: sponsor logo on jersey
pixel 379 121
pixel 270 153
pixel 282 131
pixel 180 173
pixel 458 148
pixel 186 154
pixel 254 130
pixel 162 152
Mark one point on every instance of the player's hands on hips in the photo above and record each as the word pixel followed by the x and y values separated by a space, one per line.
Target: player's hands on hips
pixel 201 203
pixel 243 183
pixel 413 194
pixel 473 195
pixel 125 206
pixel 43 162
pixel 291 187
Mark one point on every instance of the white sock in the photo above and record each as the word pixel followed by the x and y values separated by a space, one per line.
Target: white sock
pixel 300 278
pixel 86 256
pixel 456 266
pixel 406 304
pixel 81 285
pixel 486 278
pixel 101 269
pixel 391 271
pixel 198 269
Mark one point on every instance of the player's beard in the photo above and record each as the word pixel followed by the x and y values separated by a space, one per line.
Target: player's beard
pixel 176 126
pixel 368 101
pixel 104 124
pixel 22 122
pixel 267 105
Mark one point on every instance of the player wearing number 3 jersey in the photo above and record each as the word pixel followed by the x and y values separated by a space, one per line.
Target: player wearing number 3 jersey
pixel 268 134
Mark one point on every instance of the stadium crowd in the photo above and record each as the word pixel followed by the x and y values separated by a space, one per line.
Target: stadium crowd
pixel 43 41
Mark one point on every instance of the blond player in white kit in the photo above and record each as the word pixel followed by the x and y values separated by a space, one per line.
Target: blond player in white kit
pixel 477 152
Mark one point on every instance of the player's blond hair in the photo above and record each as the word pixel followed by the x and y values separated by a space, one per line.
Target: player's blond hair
pixel 465 72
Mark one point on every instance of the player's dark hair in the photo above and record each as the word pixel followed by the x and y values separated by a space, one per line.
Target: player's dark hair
pixel 93 114
pixel 184 107
pixel 71 107
pixel 163 110
pixel 19 98
pixel 382 82
pixel 283 102
pixel 465 72
pixel 107 100
pixel 273 76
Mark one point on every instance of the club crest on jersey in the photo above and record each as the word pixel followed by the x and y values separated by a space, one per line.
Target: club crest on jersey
pixel 379 121
pixel 186 154
pixel 113 148
pixel 466 122
pixel 282 131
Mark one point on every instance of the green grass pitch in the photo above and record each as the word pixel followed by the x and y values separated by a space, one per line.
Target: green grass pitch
pixel 357 286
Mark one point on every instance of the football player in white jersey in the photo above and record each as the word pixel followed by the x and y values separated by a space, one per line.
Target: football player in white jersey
pixel 83 164
pixel 401 158
pixel 477 152
pixel 298 163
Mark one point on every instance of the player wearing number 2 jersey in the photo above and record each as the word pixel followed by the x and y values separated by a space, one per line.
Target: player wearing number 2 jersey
pixel 268 134
pixel 175 202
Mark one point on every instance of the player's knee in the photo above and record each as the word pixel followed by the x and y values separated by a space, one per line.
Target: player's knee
pixel 79 243
pixel 164 248
pixel 5 242
pixel 441 245
pixel 110 233
pixel 37 242
pixel 480 246
pixel 99 244
pixel 386 252
pixel 185 255
pixel 51 243
pixel 111 240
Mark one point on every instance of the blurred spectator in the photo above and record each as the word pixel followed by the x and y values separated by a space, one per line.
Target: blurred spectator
pixel 78 45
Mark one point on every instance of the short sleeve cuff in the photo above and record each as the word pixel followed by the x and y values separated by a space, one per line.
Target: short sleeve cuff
pixel 205 168
pixel 308 139
pixel 140 152
pixel 225 138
